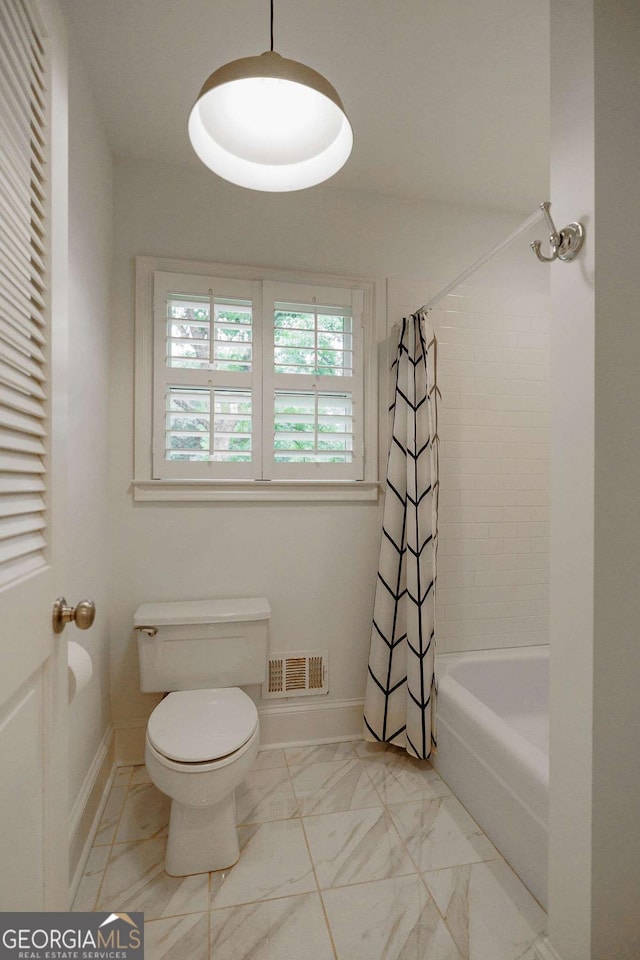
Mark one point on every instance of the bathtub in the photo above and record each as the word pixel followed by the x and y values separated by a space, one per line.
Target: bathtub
pixel 493 750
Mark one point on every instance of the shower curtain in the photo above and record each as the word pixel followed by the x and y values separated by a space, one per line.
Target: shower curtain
pixel 401 687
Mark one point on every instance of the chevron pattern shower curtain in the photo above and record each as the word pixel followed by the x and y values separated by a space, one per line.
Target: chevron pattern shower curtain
pixel 401 686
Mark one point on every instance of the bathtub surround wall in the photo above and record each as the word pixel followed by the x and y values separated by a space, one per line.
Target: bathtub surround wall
pixel 164 551
pixel 493 422
pixel 90 242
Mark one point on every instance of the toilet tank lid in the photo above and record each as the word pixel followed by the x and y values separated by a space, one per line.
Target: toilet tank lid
pixel 202 611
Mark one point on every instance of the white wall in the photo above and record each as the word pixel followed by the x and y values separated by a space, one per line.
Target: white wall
pixel 315 562
pixel 90 243
pixel 571 608
pixel 616 815
pixel 595 601
pixel 493 423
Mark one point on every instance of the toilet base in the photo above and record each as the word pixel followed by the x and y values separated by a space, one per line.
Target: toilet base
pixel 202 839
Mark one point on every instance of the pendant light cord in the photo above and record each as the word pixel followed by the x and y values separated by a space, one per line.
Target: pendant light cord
pixel 271 26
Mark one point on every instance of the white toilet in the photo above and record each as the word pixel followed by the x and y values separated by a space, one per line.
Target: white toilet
pixel 202 738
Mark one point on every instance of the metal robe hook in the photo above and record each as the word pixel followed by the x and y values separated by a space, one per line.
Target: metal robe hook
pixel 565 245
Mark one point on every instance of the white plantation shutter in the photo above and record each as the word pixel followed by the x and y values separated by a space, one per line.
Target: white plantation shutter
pixel 313 382
pixel 207 373
pixel 256 380
pixel 23 364
pixel 313 427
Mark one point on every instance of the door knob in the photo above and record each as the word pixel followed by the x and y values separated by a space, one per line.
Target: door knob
pixel 83 614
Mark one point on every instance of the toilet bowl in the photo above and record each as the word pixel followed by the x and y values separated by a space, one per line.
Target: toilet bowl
pixel 201 742
pixel 200 745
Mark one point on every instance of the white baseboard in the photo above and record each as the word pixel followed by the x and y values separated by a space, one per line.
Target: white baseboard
pixel 281 725
pixel 88 808
pixel 544 950
pixel 306 724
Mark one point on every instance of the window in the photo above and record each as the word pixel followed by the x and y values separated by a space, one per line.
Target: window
pixel 255 380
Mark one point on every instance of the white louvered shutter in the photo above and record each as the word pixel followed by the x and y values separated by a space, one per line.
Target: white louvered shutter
pixel 23 361
pixel 207 373
pixel 313 382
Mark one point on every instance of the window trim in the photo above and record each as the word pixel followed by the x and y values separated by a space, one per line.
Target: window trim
pixel 191 489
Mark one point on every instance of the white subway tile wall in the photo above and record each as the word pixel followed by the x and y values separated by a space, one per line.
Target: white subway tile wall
pixel 493 421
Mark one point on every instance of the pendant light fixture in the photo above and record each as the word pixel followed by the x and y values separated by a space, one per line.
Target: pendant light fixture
pixel 269 123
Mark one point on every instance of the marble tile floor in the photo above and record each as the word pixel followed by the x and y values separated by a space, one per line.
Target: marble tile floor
pixel 349 851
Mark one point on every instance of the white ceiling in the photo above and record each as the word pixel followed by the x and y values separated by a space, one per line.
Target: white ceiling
pixel 449 99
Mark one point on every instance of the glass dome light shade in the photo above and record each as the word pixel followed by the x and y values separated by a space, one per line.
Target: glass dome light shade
pixel 271 124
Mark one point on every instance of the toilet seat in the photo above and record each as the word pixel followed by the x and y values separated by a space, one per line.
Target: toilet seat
pixel 201 726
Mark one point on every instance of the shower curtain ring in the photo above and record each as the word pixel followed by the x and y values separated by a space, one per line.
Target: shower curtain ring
pixel 564 245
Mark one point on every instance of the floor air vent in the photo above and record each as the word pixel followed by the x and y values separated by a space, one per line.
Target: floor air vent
pixel 297 674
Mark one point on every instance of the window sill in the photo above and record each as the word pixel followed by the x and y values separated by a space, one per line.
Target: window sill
pixel 258 490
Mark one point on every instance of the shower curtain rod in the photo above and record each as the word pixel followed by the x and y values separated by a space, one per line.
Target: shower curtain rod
pixel 528 223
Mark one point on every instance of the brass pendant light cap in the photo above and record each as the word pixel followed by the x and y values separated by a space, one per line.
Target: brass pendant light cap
pixel 271 64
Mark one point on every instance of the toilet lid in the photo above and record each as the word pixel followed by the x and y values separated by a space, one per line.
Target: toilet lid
pixel 193 726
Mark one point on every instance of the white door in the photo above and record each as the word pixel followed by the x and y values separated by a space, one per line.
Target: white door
pixel 33 242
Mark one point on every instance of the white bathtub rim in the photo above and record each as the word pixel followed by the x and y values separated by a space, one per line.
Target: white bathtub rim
pixel 516 689
pixel 446 661
pixel 513 758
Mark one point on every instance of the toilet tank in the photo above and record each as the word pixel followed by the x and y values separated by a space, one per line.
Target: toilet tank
pixel 195 644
